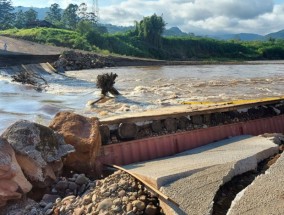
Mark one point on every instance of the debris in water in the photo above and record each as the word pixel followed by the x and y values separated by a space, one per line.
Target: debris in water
pixel 106 82
pixel 26 77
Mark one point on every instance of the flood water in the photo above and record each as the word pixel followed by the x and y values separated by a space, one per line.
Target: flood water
pixel 141 88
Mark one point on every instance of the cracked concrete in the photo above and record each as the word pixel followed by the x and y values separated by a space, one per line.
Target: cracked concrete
pixel 193 178
pixel 264 196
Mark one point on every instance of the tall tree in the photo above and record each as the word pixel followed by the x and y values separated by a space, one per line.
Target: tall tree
pixel 151 29
pixel 30 16
pixel 70 18
pixel 20 19
pixel 6 14
pixel 54 15
pixel 85 14
pixel 82 11
pixel 84 27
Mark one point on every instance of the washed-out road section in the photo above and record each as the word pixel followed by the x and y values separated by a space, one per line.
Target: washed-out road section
pixel 193 178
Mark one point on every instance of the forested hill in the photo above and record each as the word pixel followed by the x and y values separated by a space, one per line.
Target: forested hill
pixel 172 31
pixel 171 48
pixel 75 27
pixel 276 35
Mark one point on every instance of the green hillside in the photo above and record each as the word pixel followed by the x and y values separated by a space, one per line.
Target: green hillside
pixel 172 48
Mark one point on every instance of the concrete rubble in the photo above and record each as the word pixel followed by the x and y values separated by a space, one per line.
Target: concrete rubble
pixel 193 178
pixel 264 195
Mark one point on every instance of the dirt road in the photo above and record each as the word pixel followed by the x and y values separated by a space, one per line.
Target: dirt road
pixel 18 46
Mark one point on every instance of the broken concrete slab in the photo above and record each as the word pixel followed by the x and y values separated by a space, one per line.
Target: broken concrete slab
pixel 165 170
pixel 264 195
pixel 193 178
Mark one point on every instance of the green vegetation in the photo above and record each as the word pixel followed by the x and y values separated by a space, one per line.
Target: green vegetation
pixel 52 36
pixel 273 49
pixel 173 48
pixel 76 27
pixel 150 29
pixel 6 15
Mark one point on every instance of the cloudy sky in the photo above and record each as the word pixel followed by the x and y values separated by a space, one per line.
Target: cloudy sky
pixel 196 16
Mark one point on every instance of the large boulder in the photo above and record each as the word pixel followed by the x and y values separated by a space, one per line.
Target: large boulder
pixel 38 150
pixel 12 180
pixel 84 134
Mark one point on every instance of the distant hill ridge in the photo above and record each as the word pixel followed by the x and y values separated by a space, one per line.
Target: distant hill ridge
pixel 175 31
pixel 276 35
pixel 41 11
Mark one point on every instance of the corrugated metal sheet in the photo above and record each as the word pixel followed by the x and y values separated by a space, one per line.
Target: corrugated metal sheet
pixel 161 146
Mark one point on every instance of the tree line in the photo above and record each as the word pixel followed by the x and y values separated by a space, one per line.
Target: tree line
pixel 77 27
pixel 78 18
pixel 69 18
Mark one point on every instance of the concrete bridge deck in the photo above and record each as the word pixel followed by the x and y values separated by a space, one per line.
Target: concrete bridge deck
pixel 193 178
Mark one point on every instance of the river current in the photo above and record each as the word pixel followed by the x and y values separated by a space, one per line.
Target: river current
pixel 141 88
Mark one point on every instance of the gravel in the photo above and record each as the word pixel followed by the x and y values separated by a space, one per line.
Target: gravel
pixel 117 194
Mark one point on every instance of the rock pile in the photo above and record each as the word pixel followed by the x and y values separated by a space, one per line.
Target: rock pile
pixel 71 60
pixel 30 157
pixel 63 187
pixel 12 181
pixel 78 184
pixel 38 150
pixel 22 207
pixel 84 134
pixel 117 194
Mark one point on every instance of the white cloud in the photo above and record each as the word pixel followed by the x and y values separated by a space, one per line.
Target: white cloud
pixel 64 3
pixel 202 16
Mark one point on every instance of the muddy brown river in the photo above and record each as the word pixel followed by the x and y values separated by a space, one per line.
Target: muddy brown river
pixel 141 88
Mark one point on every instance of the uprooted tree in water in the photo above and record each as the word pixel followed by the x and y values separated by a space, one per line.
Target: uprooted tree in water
pixel 27 77
pixel 106 83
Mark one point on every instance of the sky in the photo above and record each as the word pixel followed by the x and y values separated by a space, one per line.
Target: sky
pixel 195 16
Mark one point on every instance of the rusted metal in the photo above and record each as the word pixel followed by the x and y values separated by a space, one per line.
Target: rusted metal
pixel 162 146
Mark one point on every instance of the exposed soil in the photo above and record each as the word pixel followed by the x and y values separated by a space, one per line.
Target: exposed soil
pixel 228 191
